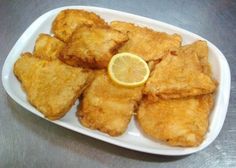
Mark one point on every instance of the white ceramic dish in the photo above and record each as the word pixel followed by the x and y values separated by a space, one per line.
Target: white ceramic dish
pixel 132 138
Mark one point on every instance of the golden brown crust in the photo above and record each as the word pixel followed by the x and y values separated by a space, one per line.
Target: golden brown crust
pixel 92 47
pixel 145 42
pixel 171 111
pixel 201 49
pixel 68 20
pixel 178 122
pixel 180 75
pixel 106 106
pixel 47 47
pixel 51 86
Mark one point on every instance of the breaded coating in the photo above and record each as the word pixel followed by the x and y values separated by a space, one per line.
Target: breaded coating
pixel 178 122
pixel 51 86
pixel 145 42
pixel 201 49
pixel 180 74
pixel 68 20
pixel 24 69
pixel 92 47
pixel 106 106
pixel 47 47
pixel 183 121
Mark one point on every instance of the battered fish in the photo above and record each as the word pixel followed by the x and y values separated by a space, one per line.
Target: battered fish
pixel 47 47
pixel 201 49
pixel 108 107
pixel 178 122
pixel 146 43
pixel 180 74
pixel 68 20
pixel 51 86
pixel 92 47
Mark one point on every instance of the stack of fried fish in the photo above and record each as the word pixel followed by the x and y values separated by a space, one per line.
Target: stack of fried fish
pixel 173 106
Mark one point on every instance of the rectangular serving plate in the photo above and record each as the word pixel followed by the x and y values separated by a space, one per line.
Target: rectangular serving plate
pixel 132 138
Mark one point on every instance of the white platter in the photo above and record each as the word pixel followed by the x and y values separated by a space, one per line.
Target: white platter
pixel 132 138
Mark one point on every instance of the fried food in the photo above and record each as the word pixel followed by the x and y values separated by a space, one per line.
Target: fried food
pixel 51 86
pixel 182 121
pixel 24 69
pixel 201 49
pixel 47 47
pixel 68 20
pixel 92 47
pixel 180 74
pixel 173 105
pixel 106 106
pixel 178 122
pixel 147 43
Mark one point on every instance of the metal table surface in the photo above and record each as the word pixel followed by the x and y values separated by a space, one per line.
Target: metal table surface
pixel 29 141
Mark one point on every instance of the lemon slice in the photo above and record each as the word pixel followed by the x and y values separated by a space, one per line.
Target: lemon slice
pixel 128 69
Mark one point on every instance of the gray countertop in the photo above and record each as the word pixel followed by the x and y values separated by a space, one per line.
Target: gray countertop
pixel 29 141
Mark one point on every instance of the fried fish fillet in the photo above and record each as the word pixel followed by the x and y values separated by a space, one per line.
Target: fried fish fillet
pixel 47 47
pixel 106 106
pixel 92 47
pixel 51 86
pixel 145 42
pixel 24 69
pixel 178 122
pixel 180 74
pixel 68 20
pixel 201 49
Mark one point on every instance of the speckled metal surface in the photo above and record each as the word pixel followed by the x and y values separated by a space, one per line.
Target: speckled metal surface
pixel 29 141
